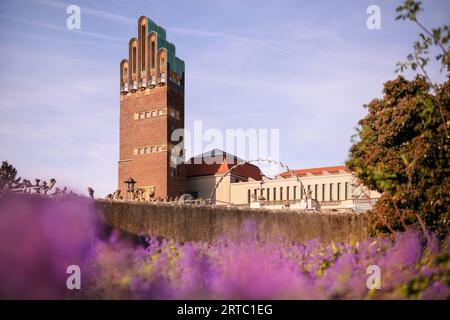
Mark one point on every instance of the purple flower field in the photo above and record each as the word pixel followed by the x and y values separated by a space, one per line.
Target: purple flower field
pixel 39 239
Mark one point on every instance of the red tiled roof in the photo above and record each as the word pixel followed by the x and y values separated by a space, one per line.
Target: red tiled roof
pixel 246 170
pixel 249 171
pixel 315 171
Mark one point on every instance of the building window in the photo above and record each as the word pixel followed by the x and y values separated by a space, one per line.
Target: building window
pixel 142 115
pixel 281 193
pixel 274 194
pixel 143 48
pixel 338 187
pixel 134 59
pixel 346 191
pixel 331 192
pixel 249 196
pixel 287 193
pixel 323 192
pixel 316 189
pixel 153 49
pixel 295 192
pixel 147 114
pixel 268 194
pixel 145 150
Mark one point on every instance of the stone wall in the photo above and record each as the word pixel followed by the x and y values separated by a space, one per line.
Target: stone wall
pixel 206 223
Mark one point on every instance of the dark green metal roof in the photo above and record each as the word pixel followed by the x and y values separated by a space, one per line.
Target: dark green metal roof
pixel 176 64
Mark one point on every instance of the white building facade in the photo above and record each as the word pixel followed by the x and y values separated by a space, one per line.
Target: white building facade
pixel 324 188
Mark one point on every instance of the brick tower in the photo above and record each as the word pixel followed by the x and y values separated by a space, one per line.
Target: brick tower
pixel 151 108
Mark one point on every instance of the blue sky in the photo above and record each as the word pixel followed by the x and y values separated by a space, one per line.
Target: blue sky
pixel 304 67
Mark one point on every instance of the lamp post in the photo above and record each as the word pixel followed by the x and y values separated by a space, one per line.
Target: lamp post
pixel 130 187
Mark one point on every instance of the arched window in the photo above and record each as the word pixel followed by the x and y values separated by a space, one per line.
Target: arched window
pixel 152 51
pixel 142 34
pixel 124 76
pixel 133 57
pixel 162 60
pixel 124 71
pixel 161 67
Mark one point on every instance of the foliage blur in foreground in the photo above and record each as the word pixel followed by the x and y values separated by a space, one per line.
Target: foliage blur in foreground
pixel 40 237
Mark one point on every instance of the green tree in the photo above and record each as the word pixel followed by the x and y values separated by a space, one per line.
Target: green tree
pixel 7 176
pixel 402 149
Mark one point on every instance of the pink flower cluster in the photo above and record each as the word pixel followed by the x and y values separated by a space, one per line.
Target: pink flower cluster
pixel 39 239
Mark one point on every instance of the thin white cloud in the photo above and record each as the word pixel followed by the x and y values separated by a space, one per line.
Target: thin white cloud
pixel 89 11
pixel 60 28
pixel 212 34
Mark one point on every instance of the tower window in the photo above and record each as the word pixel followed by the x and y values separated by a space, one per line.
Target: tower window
pixel 134 59
pixel 143 48
pixel 153 53
pixel 125 74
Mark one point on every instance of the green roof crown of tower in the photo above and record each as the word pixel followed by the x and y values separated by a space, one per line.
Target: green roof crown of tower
pixel 176 64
